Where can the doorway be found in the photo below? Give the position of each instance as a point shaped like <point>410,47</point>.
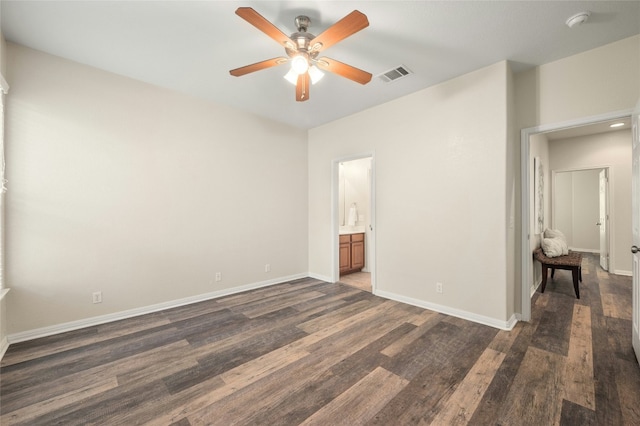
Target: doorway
<point>580,209</point>
<point>354,241</point>
<point>528,236</point>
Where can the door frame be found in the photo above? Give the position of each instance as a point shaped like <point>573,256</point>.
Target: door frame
<point>525,182</point>
<point>335,217</point>
<point>608,215</point>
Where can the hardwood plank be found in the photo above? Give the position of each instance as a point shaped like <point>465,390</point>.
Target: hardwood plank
<point>435,363</point>
<point>46,369</point>
<point>337,379</point>
<point>25,396</point>
<point>276,304</point>
<point>504,339</point>
<point>554,329</point>
<point>361,402</point>
<point>617,306</point>
<point>422,317</point>
<point>249,372</point>
<point>106,407</point>
<point>608,406</point>
<point>328,350</point>
<point>265,391</point>
<point>328,300</point>
<point>39,348</point>
<point>255,296</point>
<point>579,384</point>
<point>444,342</point>
<point>575,414</point>
<point>536,394</point>
<point>214,341</point>
<point>41,409</point>
<point>459,408</point>
<point>627,379</point>
<point>398,346</point>
<point>618,338</point>
<point>334,316</point>
<point>500,387</point>
<point>215,364</point>
<point>237,327</point>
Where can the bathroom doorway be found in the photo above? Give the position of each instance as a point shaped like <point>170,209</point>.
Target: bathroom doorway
<point>354,233</point>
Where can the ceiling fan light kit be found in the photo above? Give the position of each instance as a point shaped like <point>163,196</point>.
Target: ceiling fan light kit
<point>302,49</point>
<point>300,63</point>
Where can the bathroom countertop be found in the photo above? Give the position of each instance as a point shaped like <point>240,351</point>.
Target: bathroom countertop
<point>346,230</point>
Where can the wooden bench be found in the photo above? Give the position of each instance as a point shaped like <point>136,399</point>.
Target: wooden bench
<point>571,262</point>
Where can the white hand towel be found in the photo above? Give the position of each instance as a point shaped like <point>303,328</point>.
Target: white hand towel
<point>353,215</point>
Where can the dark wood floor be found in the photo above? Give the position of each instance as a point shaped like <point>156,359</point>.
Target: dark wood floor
<point>318,353</point>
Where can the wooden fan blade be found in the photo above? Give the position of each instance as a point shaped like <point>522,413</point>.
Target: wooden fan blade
<point>261,23</point>
<point>257,66</point>
<point>344,70</point>
<point>350,24</point>
<point>302,88</point>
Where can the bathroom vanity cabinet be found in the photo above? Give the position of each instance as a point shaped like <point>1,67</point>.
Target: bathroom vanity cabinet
<point>351,253</point>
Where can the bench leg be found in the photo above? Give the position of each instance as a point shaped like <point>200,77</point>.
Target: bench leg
<point>575,272</point>
<point>544,277</point>
<point>553,271</point>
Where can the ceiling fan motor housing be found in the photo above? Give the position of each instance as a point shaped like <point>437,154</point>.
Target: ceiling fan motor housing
<point>302,39</point>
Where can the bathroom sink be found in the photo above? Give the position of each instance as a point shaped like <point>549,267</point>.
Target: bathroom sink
<point>344,230</point>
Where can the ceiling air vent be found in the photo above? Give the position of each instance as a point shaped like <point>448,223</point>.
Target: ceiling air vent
<point>395,74</point>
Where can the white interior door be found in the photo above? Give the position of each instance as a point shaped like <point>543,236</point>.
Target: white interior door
<point>603,222</point>
<point>635,225</point>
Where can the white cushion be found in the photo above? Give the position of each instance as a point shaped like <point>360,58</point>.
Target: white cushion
<point>554,233</point>
<point>554,247</point>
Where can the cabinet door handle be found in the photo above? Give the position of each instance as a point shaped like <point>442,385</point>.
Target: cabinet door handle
<point>634,249</point>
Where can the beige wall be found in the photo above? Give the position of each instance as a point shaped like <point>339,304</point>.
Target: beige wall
<point>598,81</point>
<point>141,193</point>
<point>595,151</point>
<point>441,178</point>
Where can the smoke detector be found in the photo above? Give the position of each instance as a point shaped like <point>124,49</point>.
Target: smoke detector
<point>578,19</point>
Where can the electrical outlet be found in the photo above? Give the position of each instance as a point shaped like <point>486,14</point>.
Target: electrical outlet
<point>267,267</point>
<point>439,288</point>
<point>218,276</point>
<point>97,297</point>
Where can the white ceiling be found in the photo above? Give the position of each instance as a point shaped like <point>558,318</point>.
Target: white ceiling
<point>190,46</point>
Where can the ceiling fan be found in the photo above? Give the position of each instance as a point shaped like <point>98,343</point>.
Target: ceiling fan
<point>302,49</point>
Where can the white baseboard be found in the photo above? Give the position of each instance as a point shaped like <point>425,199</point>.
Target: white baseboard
<point>470,316</point>
<point>622,272</point>
<point>4,345</point>
<point>116,316</point>
<point>321,277</point>
<point>584,250</point>
<point>535,287</point>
